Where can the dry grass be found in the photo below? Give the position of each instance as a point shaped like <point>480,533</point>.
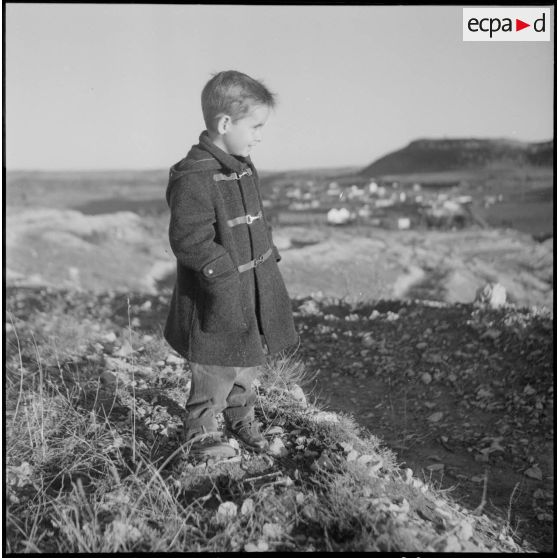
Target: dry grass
<point>95,468</point>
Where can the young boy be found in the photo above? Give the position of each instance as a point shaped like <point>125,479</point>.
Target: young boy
<point>229,306</point>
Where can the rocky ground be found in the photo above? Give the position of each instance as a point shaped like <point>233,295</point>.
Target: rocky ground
<point>464,395</point>
<point>471,426</point>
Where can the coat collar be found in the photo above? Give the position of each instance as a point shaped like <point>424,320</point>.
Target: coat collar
<point>231,162</point>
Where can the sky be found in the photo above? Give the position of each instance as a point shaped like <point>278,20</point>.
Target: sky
<point>98,86</point>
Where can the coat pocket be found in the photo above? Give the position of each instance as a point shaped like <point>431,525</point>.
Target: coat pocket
<point>221,306</point>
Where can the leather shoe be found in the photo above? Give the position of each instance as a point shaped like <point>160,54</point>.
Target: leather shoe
<point>249,434</point>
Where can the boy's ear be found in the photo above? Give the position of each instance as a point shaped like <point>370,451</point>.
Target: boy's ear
<point>223,123</point>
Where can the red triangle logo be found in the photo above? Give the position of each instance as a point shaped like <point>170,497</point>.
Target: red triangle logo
<point>519,25</point>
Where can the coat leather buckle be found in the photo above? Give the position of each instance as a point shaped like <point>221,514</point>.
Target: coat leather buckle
<point>251,218</point>
<point>259,260</point>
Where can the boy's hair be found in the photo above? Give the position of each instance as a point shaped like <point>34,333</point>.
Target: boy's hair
<point>232,93</point>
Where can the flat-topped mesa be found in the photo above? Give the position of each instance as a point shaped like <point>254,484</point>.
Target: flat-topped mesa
<point>438,155</point>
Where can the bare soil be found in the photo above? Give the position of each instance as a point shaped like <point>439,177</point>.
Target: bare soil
<point>463,395</point>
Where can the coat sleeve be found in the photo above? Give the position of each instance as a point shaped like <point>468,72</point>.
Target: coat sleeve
<point>191,231</point>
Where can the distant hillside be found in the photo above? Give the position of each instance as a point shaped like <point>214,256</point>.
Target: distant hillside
<point>442,155</point>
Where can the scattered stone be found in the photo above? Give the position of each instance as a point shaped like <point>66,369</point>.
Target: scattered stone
<point>529,390</point>
<point>465,530</point>
<point>146,306</point>
<point>233,442</point>
<point>247,507</point>
<point>365,459</point>
<point>309,308</point>
<point>298,395</point>
<point>125,350</point>
<point>491,334</point>
<point>171,359</point>
<point>452,544</point>
<point>534,473</point>
<point>272,530</point>
<point>261,546</point>
<point>109,337</point>
<point>108,379</point>
<point>435,417</point>
<point>426,378</point>
<point>226,512</point>
<point>275,431</point>
<point>277,448</point>
<point>492,294</point>
<point>323,462</point>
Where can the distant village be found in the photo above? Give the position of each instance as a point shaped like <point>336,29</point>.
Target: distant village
<point>374,202</point>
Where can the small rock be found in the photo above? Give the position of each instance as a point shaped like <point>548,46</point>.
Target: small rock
<point>347,446</point>
<point>171,359</point>
<point>272,530</point>
<point>365,459</point>
<point>353,454</point>
<point>109,337</point>
<point>309,308</point>
<point>309,512</point>
<point>452,544</point>
<point>275,431</point>
<point>426,378</point>
<point>534,473</point>
<point>436,467</point>
<point>435,417</point>
<point>262,546</point>
<point>323,462</point>
<point>367,341</point>
<point>298,395</point>
<point>278,448</point>
<point>247,507</point>
<point>491,334</point>
<point>226,511</point>
<point>465,530</point>
<point>528,390</point>
<point>125,350</point>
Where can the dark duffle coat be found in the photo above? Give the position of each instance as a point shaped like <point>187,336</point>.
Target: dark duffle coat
<point>218,313</point>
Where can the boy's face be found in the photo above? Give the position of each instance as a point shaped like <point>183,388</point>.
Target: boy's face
<point>240,136</point>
